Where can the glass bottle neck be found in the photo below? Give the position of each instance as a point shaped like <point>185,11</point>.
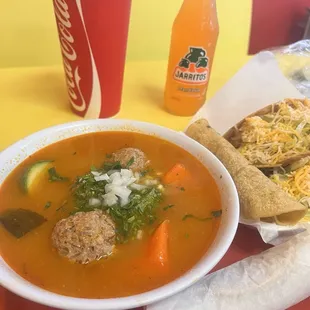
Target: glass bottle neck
<point>200,5</point>
<point>197,12</point>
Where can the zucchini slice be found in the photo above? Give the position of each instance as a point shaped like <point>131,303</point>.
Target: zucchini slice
<point>33,173</point>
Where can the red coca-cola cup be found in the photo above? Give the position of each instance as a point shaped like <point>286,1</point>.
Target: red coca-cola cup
<point>93,39</point>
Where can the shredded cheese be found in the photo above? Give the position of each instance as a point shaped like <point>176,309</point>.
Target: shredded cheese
<point>295,183</point>
<point>274,137</point>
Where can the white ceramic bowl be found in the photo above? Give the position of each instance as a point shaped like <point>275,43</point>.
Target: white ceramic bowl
<point>16,153</point>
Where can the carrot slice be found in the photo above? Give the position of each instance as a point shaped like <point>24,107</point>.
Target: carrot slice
<point>158,250</point>
<point>176,173</point>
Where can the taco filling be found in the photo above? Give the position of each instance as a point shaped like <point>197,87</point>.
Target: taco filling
<point>275,134</point>
<point>295,180</point>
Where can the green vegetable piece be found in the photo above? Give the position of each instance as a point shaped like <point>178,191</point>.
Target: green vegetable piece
<point>47,205</point>
<point>144,172</point>
<point>130,162</point>
<point>107,166</point>
<point>32,173</point>
<point>55,177</point>
<point>216,213</point>
<point>62,205</point>
<point>93,168</point>
<point>19,222</point>
<point>131,219</point>
<point>167,207</point>
<point>202,219</point>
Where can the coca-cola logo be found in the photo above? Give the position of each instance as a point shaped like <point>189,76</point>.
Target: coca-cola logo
<point>69,54</point>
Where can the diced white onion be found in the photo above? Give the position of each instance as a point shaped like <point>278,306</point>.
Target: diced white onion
<point>94,202</point>
<point>108,188</point>
<point>126,173</point>
<point>120,191</point>
<point>123,193</point>
<point>116,179</point>
<point>124,201</point>
<point>102,177</point>
<point>137,187</point>
<point>111,172</point>
<point>129,181</point>
<point>119,186</point>
<point>110,199</point>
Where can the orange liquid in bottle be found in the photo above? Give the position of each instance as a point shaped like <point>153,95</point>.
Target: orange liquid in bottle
<point>194,36</point>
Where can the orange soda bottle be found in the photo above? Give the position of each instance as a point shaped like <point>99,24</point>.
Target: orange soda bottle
<point>194,36</point>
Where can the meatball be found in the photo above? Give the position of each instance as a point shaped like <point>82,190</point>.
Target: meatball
<point>124,155</point>
<point>84,236</point>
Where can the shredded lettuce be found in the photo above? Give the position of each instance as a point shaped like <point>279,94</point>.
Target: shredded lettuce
<point>274,137</point>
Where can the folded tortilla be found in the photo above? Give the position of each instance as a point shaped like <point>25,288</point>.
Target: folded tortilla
<point>259,197</point>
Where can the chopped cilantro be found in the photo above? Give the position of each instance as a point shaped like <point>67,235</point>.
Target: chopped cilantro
<point>93,168</point>
<point>130,218</point>
<point>216,213</point>
<point>107,166</point>
<point>47,205</point>
<point>62,205</point>
<point>188,216</point>
<point>130,162</point>
<point>167,207</point>
<point>144,172</point>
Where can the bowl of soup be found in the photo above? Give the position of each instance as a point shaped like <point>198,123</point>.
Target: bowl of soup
<point>111,214</point>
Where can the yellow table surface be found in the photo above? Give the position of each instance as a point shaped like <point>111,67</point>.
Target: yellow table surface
<point>35,98</point>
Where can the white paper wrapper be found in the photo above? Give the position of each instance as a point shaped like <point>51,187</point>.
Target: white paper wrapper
<point>273,280</point>
<point>258,84</point>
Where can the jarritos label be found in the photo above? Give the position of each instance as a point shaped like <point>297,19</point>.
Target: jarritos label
<point>193,68</point>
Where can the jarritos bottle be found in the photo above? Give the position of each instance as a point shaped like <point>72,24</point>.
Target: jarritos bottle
<point>194,36</point>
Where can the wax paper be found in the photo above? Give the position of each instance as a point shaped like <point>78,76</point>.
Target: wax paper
<point>265,79</point>
<point>272,280</point>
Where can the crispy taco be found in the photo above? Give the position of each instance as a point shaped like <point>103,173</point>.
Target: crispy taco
<point>275,135</point>
<point>260,197</point>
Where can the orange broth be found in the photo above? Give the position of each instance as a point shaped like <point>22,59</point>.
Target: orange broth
<point>126,272</point>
